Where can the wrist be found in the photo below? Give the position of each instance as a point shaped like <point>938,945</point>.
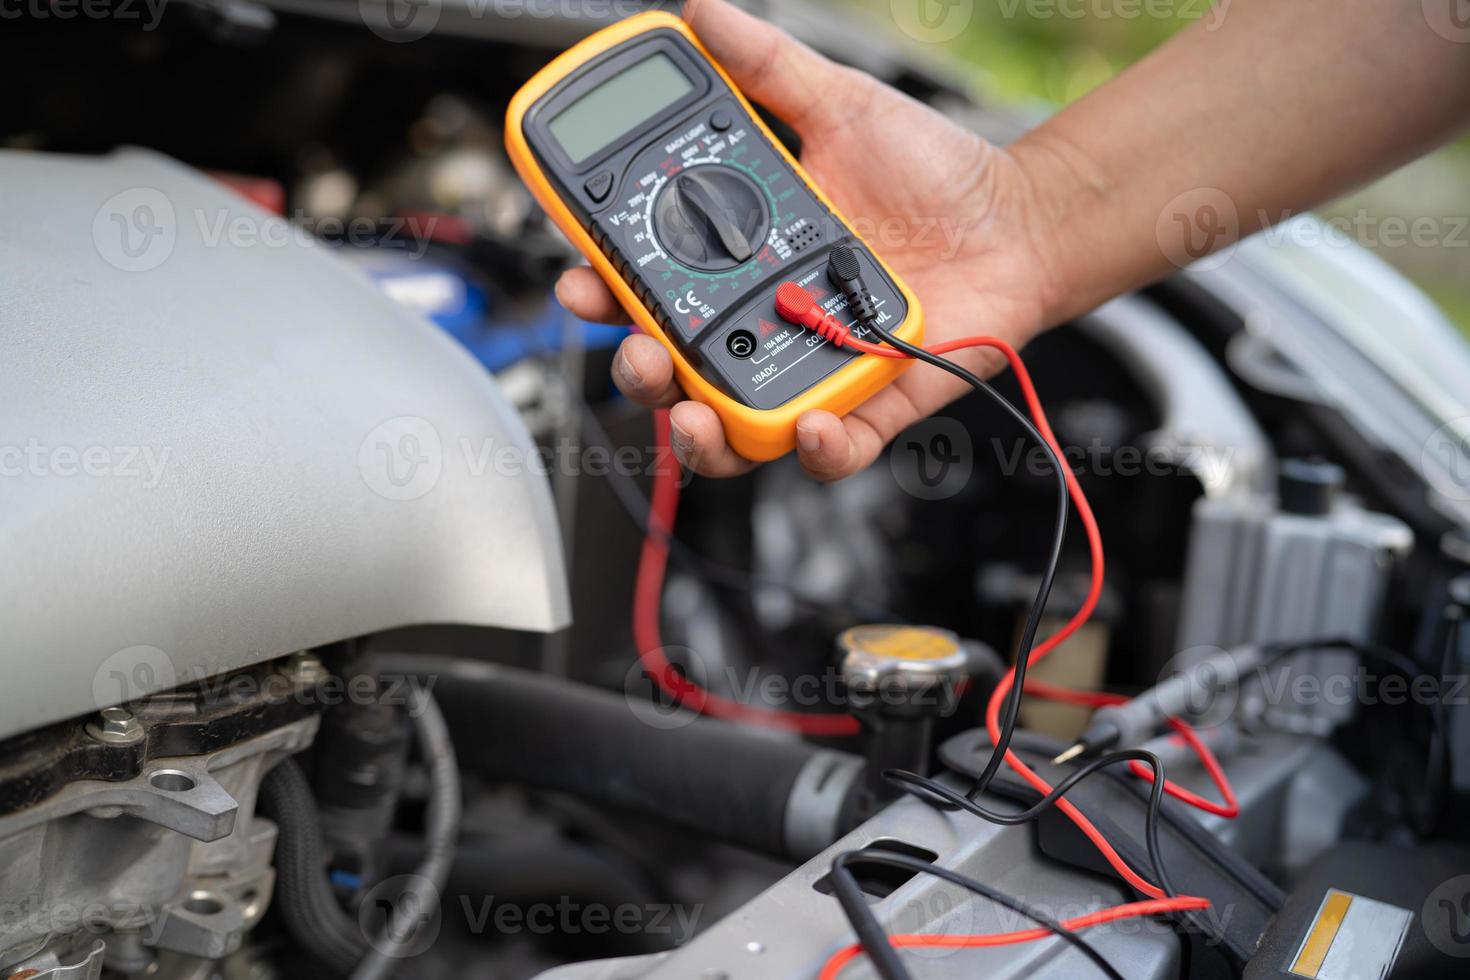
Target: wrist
<point>1065,194</point>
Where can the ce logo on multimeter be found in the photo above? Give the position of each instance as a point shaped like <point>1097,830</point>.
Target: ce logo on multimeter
<point>651,162</point>
<point>688,303</point>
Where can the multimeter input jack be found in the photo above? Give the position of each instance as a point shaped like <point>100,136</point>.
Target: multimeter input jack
<point>740,343</point>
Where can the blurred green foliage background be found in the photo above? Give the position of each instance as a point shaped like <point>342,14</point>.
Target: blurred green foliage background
<point>1055,51</point>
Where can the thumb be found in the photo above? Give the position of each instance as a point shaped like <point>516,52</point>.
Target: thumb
<point>802,88</point>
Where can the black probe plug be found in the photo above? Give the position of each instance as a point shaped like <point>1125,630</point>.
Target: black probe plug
<point>845,272</point>
<point>1101,734</point>
<point>1189,691</point>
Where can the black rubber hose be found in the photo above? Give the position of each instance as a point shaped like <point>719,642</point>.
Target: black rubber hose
<point>720,779</point>
<point>530,868</point>
<point>309,910</point>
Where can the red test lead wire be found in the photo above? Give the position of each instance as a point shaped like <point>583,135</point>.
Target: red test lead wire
<point>797,306</point>
<point>1131,910</point>
<point>1230,809</point>
<point>648,635</point>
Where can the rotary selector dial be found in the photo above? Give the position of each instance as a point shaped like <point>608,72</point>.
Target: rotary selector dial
<point>711,218</point>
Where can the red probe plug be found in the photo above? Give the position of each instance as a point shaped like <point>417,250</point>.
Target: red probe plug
<point>796,305</point>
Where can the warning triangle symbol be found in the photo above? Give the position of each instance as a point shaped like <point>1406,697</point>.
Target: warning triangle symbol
<point>695,322</point>
<point>767,327</point>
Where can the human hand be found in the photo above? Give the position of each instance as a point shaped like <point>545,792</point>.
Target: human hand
<point>953,215</point>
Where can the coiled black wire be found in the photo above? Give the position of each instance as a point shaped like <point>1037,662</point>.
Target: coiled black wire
<point>870,932</point>
<point>842,266</point>
<point>935,792</point>
<point>1054,556</point>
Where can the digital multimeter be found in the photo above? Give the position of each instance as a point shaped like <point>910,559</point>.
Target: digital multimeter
<point>655,166</point>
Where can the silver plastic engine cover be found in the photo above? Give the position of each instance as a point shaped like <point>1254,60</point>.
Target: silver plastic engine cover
<point>220,443</point>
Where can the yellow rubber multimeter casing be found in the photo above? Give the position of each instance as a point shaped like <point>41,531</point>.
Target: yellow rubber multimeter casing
<point>655,166</point>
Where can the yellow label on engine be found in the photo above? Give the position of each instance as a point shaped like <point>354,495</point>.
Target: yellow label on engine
<point>1351,938</point>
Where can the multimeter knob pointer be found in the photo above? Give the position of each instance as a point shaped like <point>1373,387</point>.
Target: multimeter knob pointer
<point>710,217</point>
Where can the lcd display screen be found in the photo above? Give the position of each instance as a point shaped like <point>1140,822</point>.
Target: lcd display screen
<point>618,106</point>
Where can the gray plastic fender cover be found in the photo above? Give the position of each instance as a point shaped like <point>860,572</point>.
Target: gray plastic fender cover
<point>220,443</point>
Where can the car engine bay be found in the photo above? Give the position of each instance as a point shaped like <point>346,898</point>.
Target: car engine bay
<point>343,590</point>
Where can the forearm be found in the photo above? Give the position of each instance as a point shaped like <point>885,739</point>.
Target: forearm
<point>1262,109</point>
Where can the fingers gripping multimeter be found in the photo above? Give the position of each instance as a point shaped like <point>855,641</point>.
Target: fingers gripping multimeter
<point>654,165</point>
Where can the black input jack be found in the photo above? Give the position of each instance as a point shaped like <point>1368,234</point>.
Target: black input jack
<point>740,343</point>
